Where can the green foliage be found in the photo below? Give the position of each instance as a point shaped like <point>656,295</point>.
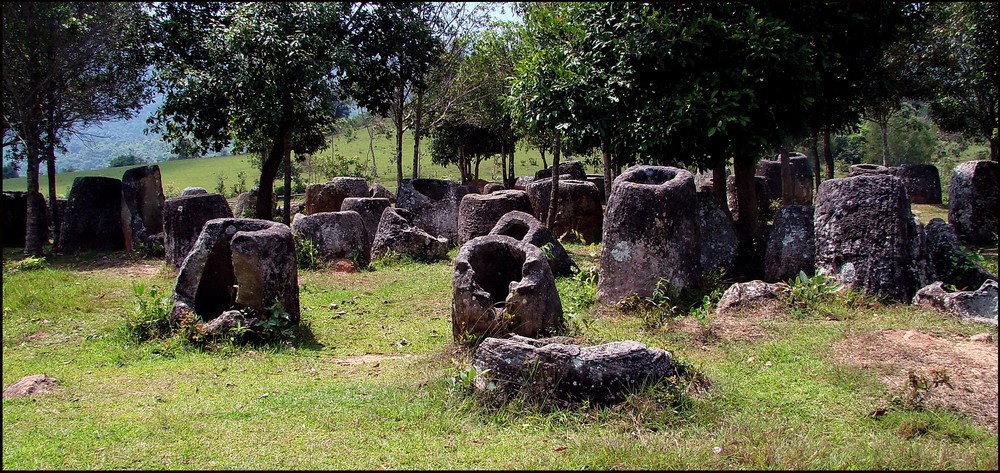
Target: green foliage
<point>28,263</point>
<point>10,170</point>
<point>149,319</point>
<point>127,159</point>
<point>306,253</point>
<point>275,325</point>
<point>849,149</point>
<point>912,138</point>
<point>335,164</point>
<point>805,293</point>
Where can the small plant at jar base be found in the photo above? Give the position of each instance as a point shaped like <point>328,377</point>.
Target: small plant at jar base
<point>276,325</point>
<point>150,318</point>
<point>914,393</point>
<point>306,253</point>
<point>804,293</point>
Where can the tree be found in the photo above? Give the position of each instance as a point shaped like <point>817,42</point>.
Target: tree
<point>258,75</point>
<point>10,170</point>
<point>961,66</point>
<point>126,159</point>
<point>67,66</point>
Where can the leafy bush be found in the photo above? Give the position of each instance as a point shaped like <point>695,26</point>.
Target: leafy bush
<point>912,138</point>
<point>805,293</point>
<point>150,318</point>
<point>29,263</point>
<point>306,252</point>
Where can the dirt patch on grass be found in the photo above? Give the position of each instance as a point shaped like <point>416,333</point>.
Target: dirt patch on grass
<point>365,359</point>
<point>971,367</point>
<point>121,265</point>
<point>742,324</point>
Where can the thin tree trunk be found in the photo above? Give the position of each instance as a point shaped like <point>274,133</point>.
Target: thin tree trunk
<point>510,162</point>
<point>815,151</point>
<point>787,191</point>
<point>397,120</point>
<point>746,198</point>
<point>994,144</point>
<point>268,172</point>
<point>550,218</point>
<point>371,149</point>
<point>541,151</point>
<point>478,161</point>
<point>828,153</point>
<point>606,163</point>
<point>34,211</point>
<point>883,126</point>
<point>286,211</point>
<point>719,183</point>
<point>416,133</point>
<point>50,163</point>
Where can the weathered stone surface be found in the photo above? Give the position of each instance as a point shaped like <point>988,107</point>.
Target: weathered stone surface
<point>238,263</point>
<point>522,182</point>
<point>337,235</point>
<point>718,235</point>
<point>791,245</point>
<point>15,218</point>
<point>370,209</point>
<point>972,201</point>
<point>522,226</point>
<point>802,178</point>
<point>142,190</point>
<point>866,236</point>
<point>396,233</point>
<point>433,204</point>
<point>770,170</point>
<point>224,324</point>
<point>598,180</point>
<point>379,191</point>
<point>760,188</point>
<point>476,185</point>
<point>575,170</point>
<point>183,219</point>
<point>651,233</point>
<point>500,286</point>
<point>193,191</point>
<point>492,187</point>
<point>96,216</point>
<point>979,305</point>
<point>922,182</point>
<point>948,259</point>
<point>750,294</point>
<point>580,207</point>
<point>478,213</point>
<point>30,385</point>
<point>246,204</point>
<point>869,170</point>
<point>567,374</point>
<point>328,196</point>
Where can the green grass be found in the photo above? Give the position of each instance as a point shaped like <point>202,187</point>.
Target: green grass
<point>369,386</point>
<point>205,172</point>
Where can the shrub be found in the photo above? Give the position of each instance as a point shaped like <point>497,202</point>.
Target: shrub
<point>150,318</point>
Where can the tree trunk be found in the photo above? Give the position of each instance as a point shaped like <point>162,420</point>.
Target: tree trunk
<point>815,152</point>
<point>371,150</point>
<point>883,126</point>
<point>550,219</point>
<point>746,198</point>
<point>719,183</point>
<point>478,161</point>
<point>416,133</point>
<point>32,234</point>
<point>397,120</point>
<point>286,210</point>
<point>606,163</point>
<point>50,163</point>
<point>828,153</point>
<point>787,190</point>
<point>994,143</point>
<point>541,151</point>
<point>510,162</point>
<point>268,172</point>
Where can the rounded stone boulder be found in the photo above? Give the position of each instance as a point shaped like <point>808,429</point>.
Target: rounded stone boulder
<point>142,190</point>
<point>328,196</point>
<point>580,208</point>
<point>502,286</point>
<point>433,204</point>
<point>337,236</point>
<point>575,170</point>
<point>522,226</point>
<point>397,234</point>
<point>865,235</point>
<point>379,191</point>
<point>922,182</point>
<point>370,209</point>
<point>478,213</point>
<point>972,201</point>
<point>651,233</point>
<point>791,245</point>
<point>183,219</point>
<point>96,216</point>
<point>492,187</point>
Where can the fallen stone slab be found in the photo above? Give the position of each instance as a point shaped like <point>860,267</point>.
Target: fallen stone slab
<point>977,306</point>
<point>570,374</point>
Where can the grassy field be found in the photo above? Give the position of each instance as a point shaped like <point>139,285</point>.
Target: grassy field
<point>206,172</point>
<point>369,383</point>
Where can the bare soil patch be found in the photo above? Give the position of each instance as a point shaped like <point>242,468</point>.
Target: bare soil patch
<point>971,367</point>
<point>741,324</point>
